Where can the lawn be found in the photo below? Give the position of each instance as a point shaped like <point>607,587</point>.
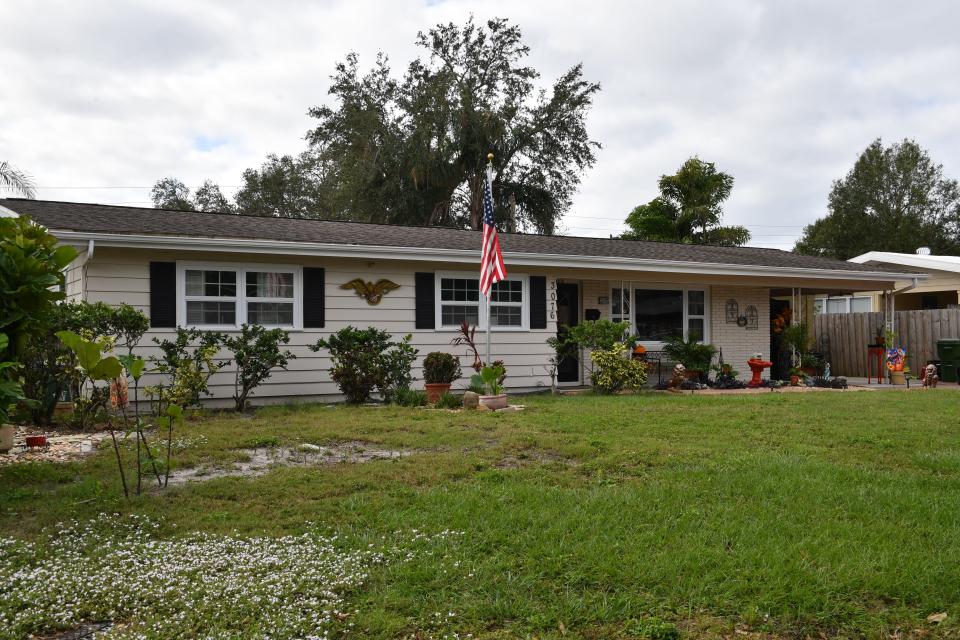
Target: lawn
<point>821,514</point>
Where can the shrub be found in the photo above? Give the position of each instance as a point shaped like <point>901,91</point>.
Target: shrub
<point>256,352</point>
<point>795,337</point>
<point>440,368</point>
<point>123,324</point>
<point>692,354</point>
<point>31,276</point>
<point>10,389</point>
<point>593,335</point>
<point>613,371</point>
<point>50,369</point>
<point>189,366</point>
<point>410,398</point>
<point>365,360</point>
<point>31,279</point>
<point>449,401</point>
<point>598,334</point>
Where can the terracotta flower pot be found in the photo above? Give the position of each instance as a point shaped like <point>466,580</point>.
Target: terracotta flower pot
<point>494,402</point>
<point>7,432</point>
<point>435,390</point>
<point>794,381</point>
<point>36,441</point>
<point>898,377</point>
<point>63,409</point>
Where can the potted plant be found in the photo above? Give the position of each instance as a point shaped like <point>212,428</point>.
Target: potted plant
<point>440,369</point>
<point>796,374</point>
<point>490,379</point>
<point>795,338</point>
<point>695,356</point>
<point>811,364</point>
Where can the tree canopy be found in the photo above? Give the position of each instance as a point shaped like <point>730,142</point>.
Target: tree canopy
<point>893,199</point>
<point>689,209</point>
<point>413,149</point>
<point>171,193</point>
<point>284,187</point>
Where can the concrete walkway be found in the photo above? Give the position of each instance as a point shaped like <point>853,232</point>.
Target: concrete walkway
<point>914,385</point>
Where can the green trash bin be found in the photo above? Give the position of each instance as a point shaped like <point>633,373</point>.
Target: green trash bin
<point>949,353</point>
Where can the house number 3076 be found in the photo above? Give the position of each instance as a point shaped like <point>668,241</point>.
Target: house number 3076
<point>553,299</point>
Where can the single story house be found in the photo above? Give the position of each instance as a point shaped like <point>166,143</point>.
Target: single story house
<point>218,271</point>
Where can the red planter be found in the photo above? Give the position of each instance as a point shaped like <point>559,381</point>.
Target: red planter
<point>435,390</point>
<point>36,441</point>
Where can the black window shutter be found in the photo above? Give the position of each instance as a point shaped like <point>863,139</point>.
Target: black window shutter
<point>314,298</point>
<point>425,312</point>
<point>163,294</point>
<point>538,302</point>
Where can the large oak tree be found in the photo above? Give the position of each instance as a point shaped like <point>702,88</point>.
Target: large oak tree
<point>893,199</point>
<point>413,150</point>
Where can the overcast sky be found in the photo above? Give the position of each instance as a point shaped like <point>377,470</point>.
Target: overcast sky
<point>100,99</point>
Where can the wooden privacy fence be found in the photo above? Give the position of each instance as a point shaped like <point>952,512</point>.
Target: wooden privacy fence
<point>846,336</point>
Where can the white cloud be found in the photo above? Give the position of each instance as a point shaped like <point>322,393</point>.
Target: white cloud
<point>782,95</point>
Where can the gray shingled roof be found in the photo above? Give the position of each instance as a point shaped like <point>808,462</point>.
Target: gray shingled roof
<point>97,218</point>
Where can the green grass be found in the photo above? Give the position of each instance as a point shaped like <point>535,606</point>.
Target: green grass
<point>792,514</point>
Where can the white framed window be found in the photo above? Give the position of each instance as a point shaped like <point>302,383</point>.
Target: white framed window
<point>225,296</point>
<point>656,312</point>
<point>458,299</point>
<point>843,304</point>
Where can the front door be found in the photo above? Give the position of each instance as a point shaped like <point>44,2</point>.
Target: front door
<point>568,315</point>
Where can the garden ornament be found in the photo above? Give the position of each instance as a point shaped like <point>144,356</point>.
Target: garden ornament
<point>757,365</point>
<point>372,292</point>
<point>678,377</point>
<point>930,377</point>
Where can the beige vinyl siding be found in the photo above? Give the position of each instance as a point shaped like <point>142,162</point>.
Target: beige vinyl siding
<point>73,279</point>
<point>116,276</point>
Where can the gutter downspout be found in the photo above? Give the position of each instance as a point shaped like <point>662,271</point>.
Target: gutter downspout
<point>83,268</point>
<point>892,324</point>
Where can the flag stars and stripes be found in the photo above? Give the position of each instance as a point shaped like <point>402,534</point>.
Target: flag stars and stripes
<point>492,267</point>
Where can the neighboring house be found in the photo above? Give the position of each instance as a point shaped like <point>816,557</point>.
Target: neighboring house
<point>860,302</point>
<point>940,290</point>
<point>218,271</point>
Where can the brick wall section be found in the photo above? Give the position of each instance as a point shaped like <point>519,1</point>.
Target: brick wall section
<point>738,343</point>
<point>592,291</point>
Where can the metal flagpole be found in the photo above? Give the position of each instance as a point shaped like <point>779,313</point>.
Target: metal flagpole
<point>488,331</point>
<point>489,293</point>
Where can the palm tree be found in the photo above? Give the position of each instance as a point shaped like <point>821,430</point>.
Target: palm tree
<point>16,181</point>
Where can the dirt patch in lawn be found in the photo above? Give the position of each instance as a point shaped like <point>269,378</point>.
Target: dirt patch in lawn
<point>262,460</point>
<point>534,457</point>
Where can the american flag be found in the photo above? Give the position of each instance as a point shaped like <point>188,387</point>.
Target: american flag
<point>492,268</point>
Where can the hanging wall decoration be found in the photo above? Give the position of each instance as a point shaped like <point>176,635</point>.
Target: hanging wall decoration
<point>733,311</point>
<point>753,319</point>
<point>372,292</point>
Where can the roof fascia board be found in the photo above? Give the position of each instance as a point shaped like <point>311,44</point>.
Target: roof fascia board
<point>907,260</point>
<point>278,247</point>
